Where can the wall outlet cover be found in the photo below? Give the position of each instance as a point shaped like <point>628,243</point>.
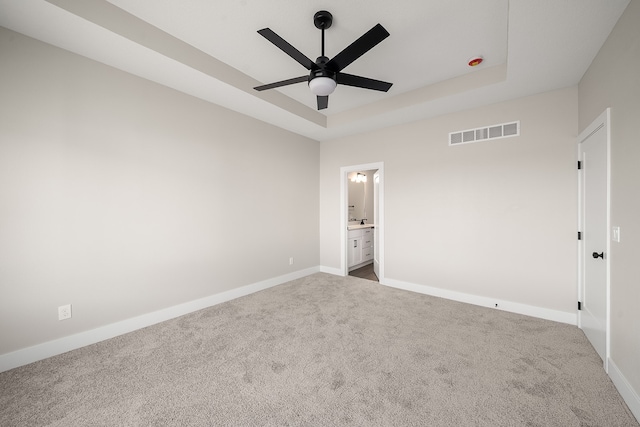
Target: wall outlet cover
<point>64,312</point>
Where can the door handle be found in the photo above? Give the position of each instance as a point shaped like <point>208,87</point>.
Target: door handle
<point>597,255</point>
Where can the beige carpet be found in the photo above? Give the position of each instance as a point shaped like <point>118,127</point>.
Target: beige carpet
<point>325,351</point>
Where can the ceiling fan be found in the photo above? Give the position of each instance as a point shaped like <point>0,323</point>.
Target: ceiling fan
<point>325,74</point>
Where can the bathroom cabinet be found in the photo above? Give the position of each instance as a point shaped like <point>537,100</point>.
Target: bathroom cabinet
<point>360,247</point>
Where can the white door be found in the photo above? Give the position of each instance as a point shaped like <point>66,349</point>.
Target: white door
<point>593,150</point>
<point>376,219</point>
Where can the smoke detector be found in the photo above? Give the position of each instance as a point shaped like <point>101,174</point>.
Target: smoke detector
<point>475,60</point>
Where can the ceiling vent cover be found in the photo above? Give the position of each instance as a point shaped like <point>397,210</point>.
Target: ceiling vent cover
<point>505,130</point>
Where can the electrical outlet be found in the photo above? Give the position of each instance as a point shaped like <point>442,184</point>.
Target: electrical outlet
<point>291,261</point>
<point>64,312</point>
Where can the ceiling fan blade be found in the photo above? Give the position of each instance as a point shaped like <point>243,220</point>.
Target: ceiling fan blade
<point>283,45</point>
<point>323,102</point>
<point>282,83</point>
<point>358,48</point>
<point>363,82</point>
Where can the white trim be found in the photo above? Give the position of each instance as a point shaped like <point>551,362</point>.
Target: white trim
<point>513,307</point>
<point>344,206</point>
<point>51,348</point>
<point>580,242</point>
<point>627,392</point>
<point>331,270</point>
<point>607,114</point>
<point>603,120</point>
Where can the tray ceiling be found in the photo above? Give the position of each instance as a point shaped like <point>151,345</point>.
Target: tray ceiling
<point>212,50</point>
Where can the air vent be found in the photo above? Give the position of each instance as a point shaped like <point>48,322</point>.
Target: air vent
<point>505,130</point>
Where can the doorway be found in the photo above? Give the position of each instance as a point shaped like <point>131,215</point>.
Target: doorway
<point>594,243</point>
<point>375,211</point>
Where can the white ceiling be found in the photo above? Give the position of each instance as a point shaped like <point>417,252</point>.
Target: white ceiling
<point>211,50</point>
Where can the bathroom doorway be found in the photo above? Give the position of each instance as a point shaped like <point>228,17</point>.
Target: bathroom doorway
<point>362,221</point>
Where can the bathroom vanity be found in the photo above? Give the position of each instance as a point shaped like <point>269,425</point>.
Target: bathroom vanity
<point>359,245</point>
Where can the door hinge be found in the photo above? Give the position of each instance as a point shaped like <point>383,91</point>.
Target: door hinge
<point>579,235</point>
<point>579,305</point>
<point>579,164</point>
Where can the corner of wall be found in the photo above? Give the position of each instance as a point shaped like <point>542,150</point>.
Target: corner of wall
<point>62,345</point>
<point>625,389</point>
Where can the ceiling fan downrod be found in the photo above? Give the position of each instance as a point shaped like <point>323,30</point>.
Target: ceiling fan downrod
<point>322,20</point>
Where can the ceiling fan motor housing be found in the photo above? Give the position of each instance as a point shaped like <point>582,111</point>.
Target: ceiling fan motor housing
<point>322,70</point>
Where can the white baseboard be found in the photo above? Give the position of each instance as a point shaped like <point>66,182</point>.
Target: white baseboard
<point>51,348</point>
<point>331,270</point>
<point>513,307</point>
<point>627,392</point>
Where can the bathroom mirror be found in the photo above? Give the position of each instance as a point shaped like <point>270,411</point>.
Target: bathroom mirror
<point>360,196</point>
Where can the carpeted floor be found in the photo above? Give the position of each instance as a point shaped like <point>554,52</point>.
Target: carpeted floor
<point>325,351</point>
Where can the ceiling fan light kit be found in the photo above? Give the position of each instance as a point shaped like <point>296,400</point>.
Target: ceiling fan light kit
<point>322,86</point>
<point>325,74</point>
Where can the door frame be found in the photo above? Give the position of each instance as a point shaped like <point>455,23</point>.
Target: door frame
<point>344,211</point>
<point>376,232</point>
<point>603,120</point>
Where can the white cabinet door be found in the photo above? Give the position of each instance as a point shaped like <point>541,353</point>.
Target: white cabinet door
<point>355,250</point>
<point>360,246</point>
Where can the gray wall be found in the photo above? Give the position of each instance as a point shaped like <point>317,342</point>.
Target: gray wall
<point>495,219</point>
<point>122,197</point>
<point>613,80</point>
